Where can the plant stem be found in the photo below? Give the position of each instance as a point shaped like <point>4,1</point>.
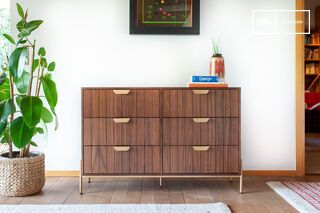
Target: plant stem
<point>25,151</point>
<point>39,82</point>
<point>31,69</point>
<point>38,78</point>
<point>11,118</point>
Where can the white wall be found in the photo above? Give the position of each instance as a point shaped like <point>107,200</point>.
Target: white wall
<point>91,44</point>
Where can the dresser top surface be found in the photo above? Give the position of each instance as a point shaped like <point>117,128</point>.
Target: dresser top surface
<point>162,88</point>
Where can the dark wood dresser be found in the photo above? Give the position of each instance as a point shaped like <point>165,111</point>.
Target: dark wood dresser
<point>161,133</point>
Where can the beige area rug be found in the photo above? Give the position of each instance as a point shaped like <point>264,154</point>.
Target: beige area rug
<point>118,208</point>
<point>303,196</point>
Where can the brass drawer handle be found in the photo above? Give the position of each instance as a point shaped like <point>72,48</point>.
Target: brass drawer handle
<point>121,120</point>
<point>201,148</point>
<point>201,120</point>
<point>121,148</point>
<point>200,92</point>
<point>121,92</point>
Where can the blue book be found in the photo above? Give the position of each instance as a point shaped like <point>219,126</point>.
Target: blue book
<point>204,79</point>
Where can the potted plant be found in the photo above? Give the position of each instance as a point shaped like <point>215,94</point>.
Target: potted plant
<point>217,61</point>
<point>28,97</point>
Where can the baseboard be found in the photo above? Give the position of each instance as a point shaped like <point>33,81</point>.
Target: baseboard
<point>277,173</point>
<point>274,173</point>
<point>64,173</point>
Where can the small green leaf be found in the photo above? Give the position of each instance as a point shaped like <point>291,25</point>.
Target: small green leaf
<point>17,61</point>
<point>22,83</point>
<point>21,134</point>
<point>9,38</point>
<point>32,25</point>
<point>22,41</point>
<point>46,115</point>
<point>20,11</point>
<point>33,144</point>
<point>24,33</point>
<point>3,78</point>
<point>50,91</point>
<point>35,64</point>
<point>52,66</point>
<point>44,62</point>
<point>42,52</point>
<point>40,130</point>
<point>3,140</point>
<point>31,108</point>
<point>20,25</point>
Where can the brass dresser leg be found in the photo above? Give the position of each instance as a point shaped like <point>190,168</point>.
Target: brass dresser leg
<point>80,178</point>
<point>241,179</point>
<point>160,181</point>
<point>89,180</point>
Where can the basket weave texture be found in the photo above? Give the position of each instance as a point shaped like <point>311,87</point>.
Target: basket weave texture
<point>22,176</point>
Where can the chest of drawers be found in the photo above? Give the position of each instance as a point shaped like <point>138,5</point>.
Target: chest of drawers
<point>161,133</point>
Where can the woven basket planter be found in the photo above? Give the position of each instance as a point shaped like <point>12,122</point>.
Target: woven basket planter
<point>22,176</point>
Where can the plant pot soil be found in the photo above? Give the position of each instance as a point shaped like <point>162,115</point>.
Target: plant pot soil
<point>21,176</point>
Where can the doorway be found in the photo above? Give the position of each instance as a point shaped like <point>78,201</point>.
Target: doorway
<point>312,88</point>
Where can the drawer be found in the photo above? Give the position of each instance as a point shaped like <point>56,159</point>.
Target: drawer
<point>201,160</point>
<point>121,103</point>
<point>204,131</point>
<point>121,160</point>
<point>123,131</point>
<point>201,103</point>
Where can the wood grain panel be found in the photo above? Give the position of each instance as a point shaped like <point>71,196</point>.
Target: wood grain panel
<point>87,168</point>
<point>185,160</point>
<point>86,131</point>
<point>184,131</point>
<point>138,160</point>
<point>217,103</point>
<point>104,131</point>
<point>105,103</point>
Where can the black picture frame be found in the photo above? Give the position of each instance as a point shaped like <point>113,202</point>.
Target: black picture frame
<point>194,30</point>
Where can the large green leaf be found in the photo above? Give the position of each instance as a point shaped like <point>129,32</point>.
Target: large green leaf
<point>32,25</point>
<point>9,38</point>
<point>50,91</point>
<point>7,107</point>
<point>21,134</point>
<point>22,83</point>
<point>5,90</point>
<point>20,11</point>
<point>46,115</point>
<point>31,108</point>
<point>17,61</point>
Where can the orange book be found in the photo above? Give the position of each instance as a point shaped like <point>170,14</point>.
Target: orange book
<point>201,85</point>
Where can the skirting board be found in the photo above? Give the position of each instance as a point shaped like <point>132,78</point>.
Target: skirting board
<point>279,173</point>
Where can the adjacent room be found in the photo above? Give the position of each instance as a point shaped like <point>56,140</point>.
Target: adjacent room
<point>159,106</point>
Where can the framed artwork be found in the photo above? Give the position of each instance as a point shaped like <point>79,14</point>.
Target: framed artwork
<point>165,17</point>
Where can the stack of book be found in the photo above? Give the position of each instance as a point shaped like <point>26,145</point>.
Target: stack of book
<point>206,82</point>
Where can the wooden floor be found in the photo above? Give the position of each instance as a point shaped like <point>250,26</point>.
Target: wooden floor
<point>257,197</point>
